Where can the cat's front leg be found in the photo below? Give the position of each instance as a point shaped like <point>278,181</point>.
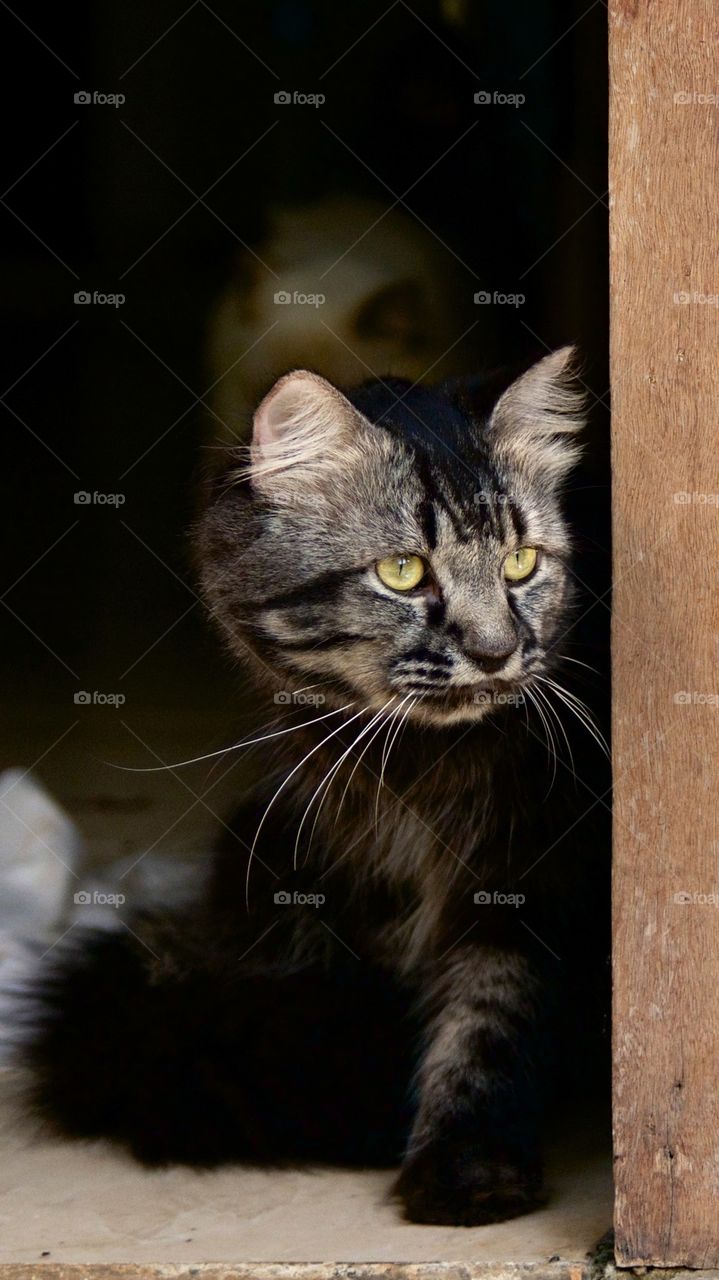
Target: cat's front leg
<point>473,1156</point>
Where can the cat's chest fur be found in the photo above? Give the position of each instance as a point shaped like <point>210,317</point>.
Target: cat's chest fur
<point>404,860</point>
<point>411,861</point>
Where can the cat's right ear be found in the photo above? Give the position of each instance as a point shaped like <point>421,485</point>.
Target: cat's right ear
<point>303,429</point>
<point>536,422</point>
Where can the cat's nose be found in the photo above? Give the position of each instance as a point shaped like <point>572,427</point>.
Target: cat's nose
<point>492,658</point>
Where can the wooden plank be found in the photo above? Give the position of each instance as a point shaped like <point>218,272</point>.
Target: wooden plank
<point>664,129</point>
<point>305,1271</point>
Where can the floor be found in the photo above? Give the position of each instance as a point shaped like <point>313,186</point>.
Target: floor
<point>72,1203</point>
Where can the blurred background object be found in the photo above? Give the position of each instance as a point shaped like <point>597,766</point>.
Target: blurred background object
<point>365,292</point>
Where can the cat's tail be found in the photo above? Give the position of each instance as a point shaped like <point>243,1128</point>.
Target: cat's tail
<point>187,1063</point>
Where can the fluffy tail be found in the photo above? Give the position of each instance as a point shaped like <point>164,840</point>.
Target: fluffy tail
<point>184,1063</point>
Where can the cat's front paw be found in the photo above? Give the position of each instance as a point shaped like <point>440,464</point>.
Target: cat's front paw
<point>459,1184</point>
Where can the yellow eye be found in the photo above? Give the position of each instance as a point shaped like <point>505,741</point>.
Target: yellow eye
<point>520,564</point>
<point>401,573</point>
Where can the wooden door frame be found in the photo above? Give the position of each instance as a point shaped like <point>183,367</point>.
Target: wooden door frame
<point>664,350</point>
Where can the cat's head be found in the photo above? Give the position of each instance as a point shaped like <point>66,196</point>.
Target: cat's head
<point>399,542</point>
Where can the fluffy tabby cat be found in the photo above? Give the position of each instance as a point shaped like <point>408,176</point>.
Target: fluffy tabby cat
<point>379,971</point>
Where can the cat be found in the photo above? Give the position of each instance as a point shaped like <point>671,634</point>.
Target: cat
<point>393,303</point>
<point>381,969</point>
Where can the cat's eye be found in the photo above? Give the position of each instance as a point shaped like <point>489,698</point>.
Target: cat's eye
<point>401,573</point>
<point>519,564</point>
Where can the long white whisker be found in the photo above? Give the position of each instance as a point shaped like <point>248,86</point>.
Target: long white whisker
<point>552,711</point>
<point>531,694</point>
<point>576,713</point>
<point>282,786</point>
<point>393,722</point>
<point>580,710</point>
<point>397,735</point>
<point>329,778</point>
<point>535,703</point>
<point>554,745</point>
<point>326,781</point>
<point>235,746</point>
<point>564,657</point>
<point>363,752</point>
<point>573,697</point>
<point>268,724</point>
<point>405,721</point>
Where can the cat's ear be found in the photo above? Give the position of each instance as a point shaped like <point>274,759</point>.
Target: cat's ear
<point>305,426</point>
<point>536,421</point>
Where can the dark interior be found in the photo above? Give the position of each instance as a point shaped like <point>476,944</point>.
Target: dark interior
<point>110,198</point>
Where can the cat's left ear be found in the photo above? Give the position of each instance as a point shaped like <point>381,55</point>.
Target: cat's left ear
<point>303,430</point>
<point>536,421</point>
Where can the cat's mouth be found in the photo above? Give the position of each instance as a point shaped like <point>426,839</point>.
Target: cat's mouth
<point>469,702</point>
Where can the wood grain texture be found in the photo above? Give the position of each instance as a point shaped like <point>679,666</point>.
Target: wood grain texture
<point>304,1271</point>
<point>664,130</point>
